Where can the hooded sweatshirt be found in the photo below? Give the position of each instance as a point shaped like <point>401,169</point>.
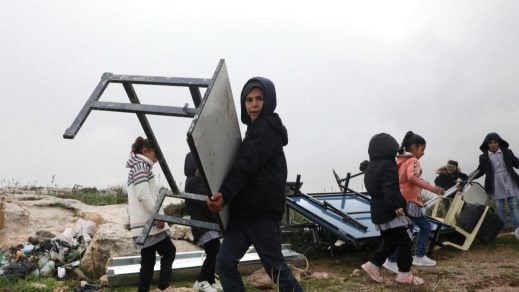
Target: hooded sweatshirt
<point>198,210</point>
<point>142,194</point>
<point>381,179</point>
<point>255,185</point>
<point>485,165</point>
<point>409,172</point>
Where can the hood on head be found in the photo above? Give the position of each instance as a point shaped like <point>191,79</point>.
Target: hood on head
<point>382,146</point>
<point>190,165</point>
<point>442,170</point>
<point>492,136</point>
<point>269,97</point>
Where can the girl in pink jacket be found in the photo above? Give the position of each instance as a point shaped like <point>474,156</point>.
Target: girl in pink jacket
<point>411,185</point>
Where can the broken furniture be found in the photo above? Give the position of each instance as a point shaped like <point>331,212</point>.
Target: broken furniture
<point>187,265</point>
<point>467,213</point>
<point>217,126</point>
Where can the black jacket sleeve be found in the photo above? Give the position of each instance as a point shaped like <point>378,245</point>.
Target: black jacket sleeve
<point>260,143</point>
<point>391,189</point>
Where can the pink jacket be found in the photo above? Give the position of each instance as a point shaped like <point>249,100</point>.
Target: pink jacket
<point>409,171</point>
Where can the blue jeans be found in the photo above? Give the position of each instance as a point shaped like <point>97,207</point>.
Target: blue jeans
<point>423,235</point>
<point>421,239</point>
<point>513,205</point>
<point>265,236</point>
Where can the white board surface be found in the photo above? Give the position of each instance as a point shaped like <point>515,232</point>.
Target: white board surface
<point>214,135</point>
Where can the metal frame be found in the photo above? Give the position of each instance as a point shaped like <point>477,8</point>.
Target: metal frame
<point>141,110</point>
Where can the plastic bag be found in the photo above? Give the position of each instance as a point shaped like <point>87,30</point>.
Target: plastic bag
<point>86,228</point>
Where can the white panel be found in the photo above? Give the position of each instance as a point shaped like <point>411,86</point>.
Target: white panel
<point>214,135</point>
<point>475,194</point>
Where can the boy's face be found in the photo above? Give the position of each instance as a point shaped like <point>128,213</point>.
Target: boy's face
<point>493,145</point>
<point>254,103</point>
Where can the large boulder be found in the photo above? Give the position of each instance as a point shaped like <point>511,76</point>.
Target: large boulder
<point>110,240</point>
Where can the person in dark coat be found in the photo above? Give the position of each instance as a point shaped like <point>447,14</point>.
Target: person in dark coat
<point>387,210</point>
<point>448,175</point>
<point>254,188</point>
<point>208,239</point>
<point>501,181</point>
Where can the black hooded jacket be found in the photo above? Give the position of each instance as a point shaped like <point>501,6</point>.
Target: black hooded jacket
<point>255,185</point>
<point>198,210</point>
<point>485,165</point>
<point>381,179</point>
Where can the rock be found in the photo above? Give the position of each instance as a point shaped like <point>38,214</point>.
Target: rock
<point>92,216</point>
<point>319,275</point>
<point>259,279</point>
<point>181,232</point>
<point>355,273</point>
<point>103,280</point>
<point>110,240</point>
<point>80,275</point>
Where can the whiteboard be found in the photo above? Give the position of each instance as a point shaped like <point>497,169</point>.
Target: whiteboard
<point>214,135</point>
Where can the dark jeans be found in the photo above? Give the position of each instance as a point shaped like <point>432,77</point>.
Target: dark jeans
<point>393,239</point>
<point>167,251</point>
<point>265,236</point>
<point>211,249</point>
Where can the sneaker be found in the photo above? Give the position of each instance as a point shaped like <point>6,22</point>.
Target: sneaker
<point>392,266</point>
<point>408,278</point>
<point>217,285</point>
<point>203,286</point>
<point>373,271</point>
<point>423,261</point>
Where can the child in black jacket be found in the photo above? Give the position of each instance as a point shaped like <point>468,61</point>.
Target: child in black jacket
<point>387,210</point>
<point>208,239</point>
<point>497,163</point>
<point>255,190</point>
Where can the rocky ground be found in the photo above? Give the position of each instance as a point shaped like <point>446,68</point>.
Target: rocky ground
<point>493,267</point>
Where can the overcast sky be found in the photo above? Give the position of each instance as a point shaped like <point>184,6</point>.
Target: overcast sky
<point>343,70</point>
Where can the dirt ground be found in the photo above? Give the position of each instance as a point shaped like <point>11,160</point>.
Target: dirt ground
<point>485,267</point>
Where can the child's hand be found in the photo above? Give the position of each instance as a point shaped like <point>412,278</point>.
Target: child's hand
<point>215,202</point>
<point>399,212</point>
<point>438,190</point>
<point>159,224</point>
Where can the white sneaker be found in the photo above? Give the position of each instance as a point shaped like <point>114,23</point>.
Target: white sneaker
<point>217,285</point>
<point>203,286</point>
<point>392,266</point>
<point>423,261</point>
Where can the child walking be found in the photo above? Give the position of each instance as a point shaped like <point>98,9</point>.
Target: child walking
<point>411,185</point>
<point>142,194</point>
<point>208,239</point>
<point>501,181</point>
<point>255,190</point>
<point>387,210</point>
